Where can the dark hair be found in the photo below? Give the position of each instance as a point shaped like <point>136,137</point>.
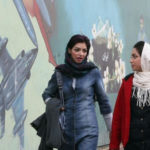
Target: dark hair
<point>139,47</point>
<point>78,38</point>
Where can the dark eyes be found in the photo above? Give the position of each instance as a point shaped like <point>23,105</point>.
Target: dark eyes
<point>84,50</point>
<point>134,56</point>
<point>78,49</point>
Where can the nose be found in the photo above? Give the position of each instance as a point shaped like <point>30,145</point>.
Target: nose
<point>81,53</point>
<point>131,60</point>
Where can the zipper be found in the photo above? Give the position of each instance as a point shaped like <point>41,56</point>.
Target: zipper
<point>74,101</point>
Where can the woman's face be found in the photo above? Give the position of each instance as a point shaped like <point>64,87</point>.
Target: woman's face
<point>78,52</point>
<point>135,60</point>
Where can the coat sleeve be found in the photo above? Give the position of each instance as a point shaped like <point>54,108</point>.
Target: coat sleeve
<point>100,94</point>
<point>115,138</point>
<point>39,124</point>
<point>51,89</point>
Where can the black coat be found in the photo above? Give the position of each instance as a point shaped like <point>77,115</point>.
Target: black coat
<point>48,127</point>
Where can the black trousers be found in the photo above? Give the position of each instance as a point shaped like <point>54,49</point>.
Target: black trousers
<point>86,143</point>
<point>141,145</point>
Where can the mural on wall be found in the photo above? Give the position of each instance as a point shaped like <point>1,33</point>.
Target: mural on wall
<point>44,12</point>
<point>107,50</point>
<point>18,71</point>
<point>42,28</point>
<point>15,73</point>
<point>26,20</point>
<point>142,34</point>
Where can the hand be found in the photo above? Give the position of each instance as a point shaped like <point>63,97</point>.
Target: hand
<point>109,135</point>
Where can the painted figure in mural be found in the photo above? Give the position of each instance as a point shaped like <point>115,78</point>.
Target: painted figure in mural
<point>15,74</point>
<point>131,121</point>
<point>82,81</point>
<point>142,34</point>
<point>44,12</point>
<point>107,50</point>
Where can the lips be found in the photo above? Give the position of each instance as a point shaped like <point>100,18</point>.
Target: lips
<point>79,59</point>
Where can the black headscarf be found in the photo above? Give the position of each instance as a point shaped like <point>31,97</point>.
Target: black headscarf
<point>73,69</point>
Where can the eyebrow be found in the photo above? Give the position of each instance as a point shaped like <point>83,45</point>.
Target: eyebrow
<point>80,48</point>
<point>135,55</point>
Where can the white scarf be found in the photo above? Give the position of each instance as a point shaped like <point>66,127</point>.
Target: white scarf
<point>141,80</point>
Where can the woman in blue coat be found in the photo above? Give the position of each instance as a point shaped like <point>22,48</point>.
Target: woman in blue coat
<point>82,82</point>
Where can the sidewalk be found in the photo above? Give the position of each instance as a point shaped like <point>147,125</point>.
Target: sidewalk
<point>105,148</point>
<point>100,148</point>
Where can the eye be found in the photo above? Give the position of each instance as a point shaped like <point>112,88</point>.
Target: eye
<point>84,50</point>
<point>134,56</point>
<point>77,49</point>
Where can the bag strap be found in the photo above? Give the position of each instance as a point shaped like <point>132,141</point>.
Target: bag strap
<point>60,86</point>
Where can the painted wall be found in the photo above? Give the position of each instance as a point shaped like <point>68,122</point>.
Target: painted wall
<point>33,36</point>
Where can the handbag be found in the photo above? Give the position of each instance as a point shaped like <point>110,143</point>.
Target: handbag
<point>50,125</point>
